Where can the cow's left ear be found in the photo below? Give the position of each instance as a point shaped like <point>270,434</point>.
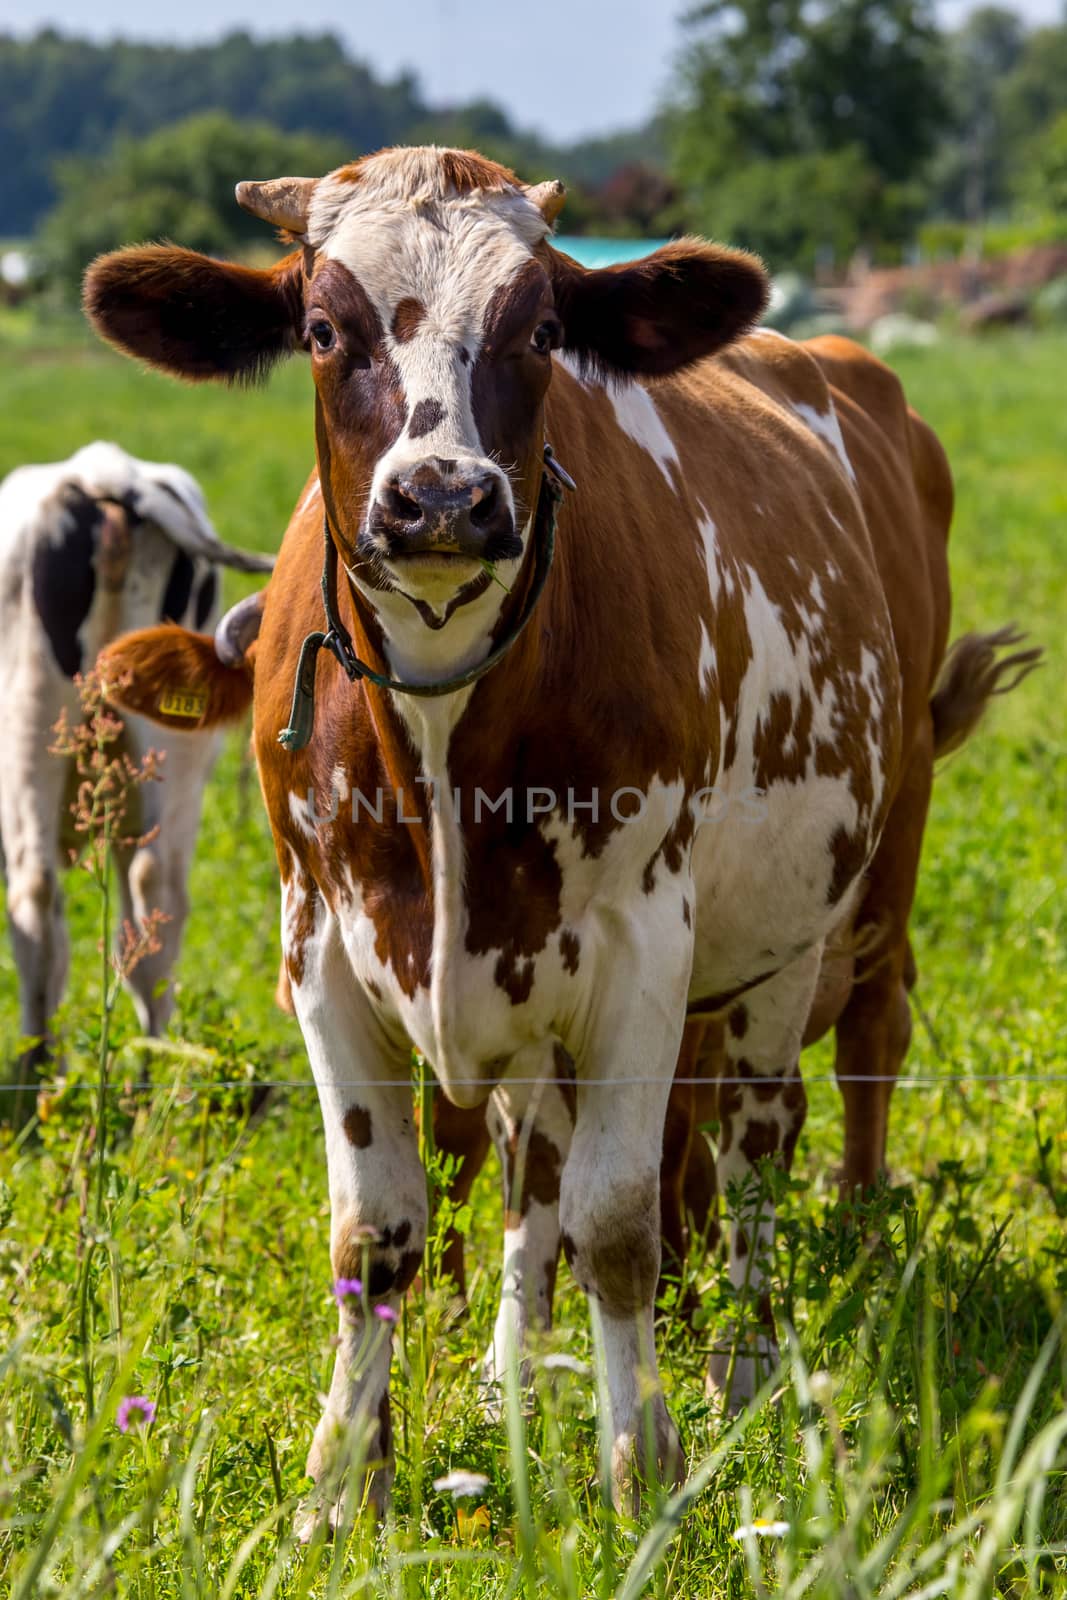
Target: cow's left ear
<point>194,316</point>
<point>656,315</point>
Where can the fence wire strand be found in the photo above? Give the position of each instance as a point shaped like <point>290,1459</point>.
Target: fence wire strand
<point>61,1087</point>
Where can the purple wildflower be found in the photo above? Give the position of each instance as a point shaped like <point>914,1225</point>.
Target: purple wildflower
<point>386,1313</point>
<point>345,1287</point>
<point>136,1410</point>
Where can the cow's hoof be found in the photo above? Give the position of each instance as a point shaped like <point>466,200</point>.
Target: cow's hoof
<point>352,1465</point>
<point>322,1512</point>
<point>734,1378</point>
<point>314,1517</point>
<point>633,1474</point>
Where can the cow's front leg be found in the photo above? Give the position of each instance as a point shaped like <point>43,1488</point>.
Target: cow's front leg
<point>531,1121</point>
<point>762,1106</point>
<point>153,875</point>
<point>610,1200</point>
<point>378,1209</point>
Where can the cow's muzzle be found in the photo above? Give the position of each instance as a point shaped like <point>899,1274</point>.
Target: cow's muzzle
<point>444,508</point>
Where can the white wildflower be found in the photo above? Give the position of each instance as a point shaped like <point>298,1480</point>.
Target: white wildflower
<point>564,1363</point>
<point>761,1528</point>
<point>460,1482</point>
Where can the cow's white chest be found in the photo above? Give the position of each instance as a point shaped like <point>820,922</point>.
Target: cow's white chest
<point>466,1021</point>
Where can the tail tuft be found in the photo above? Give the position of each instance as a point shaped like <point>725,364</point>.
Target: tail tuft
<point>971,674</point>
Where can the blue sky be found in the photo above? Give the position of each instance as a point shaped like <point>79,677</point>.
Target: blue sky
<point>564,67</point>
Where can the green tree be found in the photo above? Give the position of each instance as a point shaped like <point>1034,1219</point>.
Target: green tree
<point>1035,91</point>
<point>62,96</point>
<point>177,183</point>
<point>969,172</point>
<point>1042,183</point>
<point>846,94</point>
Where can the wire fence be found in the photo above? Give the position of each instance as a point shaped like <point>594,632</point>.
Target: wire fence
<point>216,1085</point>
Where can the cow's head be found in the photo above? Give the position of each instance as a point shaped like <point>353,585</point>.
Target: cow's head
<point>430,300</point>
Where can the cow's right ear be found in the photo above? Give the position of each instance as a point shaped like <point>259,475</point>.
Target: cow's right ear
<point>196,317</point>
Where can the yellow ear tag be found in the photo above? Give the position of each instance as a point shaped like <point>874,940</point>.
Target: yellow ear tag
<point>190,703</point>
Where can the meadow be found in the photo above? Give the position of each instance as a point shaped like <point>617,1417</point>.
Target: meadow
<point>176,1246</point>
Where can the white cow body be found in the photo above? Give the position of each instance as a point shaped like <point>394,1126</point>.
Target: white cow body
<point>92,548</point>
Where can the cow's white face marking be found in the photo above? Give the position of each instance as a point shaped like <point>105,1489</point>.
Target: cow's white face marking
<point>405,236</point>
<point>431,259</point>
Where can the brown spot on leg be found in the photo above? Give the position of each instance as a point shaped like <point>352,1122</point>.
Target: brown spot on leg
<point>550,1281</point>
<point>385,1429</point>
<point>568,1091</point>
<point>678,1129</point>
<point>357,1126</point>
<point>730,1100</point>
<point>795,1107</point>
<point>617,1258</point>
<point>760,1139</point>
<point>462,1134</point>
<point>386,1278</point>
<point>538,1179</point>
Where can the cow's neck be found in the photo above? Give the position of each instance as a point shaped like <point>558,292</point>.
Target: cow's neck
<point>414,734</point>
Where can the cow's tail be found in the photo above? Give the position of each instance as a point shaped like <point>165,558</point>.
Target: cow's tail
<point>973,671</point>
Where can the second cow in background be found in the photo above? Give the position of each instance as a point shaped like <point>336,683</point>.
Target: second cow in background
<point>91,548</point>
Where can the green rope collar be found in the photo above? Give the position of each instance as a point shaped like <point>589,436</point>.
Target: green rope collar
<point>338,641</point>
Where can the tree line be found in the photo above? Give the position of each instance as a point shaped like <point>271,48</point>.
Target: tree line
<point>805,129</point>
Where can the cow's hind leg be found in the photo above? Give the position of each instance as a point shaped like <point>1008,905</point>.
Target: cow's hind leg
<point>762,1106</point>
<point>461,1133</point>
<point>153,875</point>
<point>874,1029</point>
<point>531,1121</point>
<point>378,1208</point>
<point>33,786</point>
<point>688,1187</point>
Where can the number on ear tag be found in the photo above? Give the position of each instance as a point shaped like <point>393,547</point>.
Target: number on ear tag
<point>190,703</point>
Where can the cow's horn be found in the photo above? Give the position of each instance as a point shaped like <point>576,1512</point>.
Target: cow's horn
<point>238,630</point>
<point>283,201</point>
<point>548,198</point>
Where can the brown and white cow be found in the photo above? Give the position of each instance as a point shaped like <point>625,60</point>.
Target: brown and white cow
<point>671,791</point>
<point>862,992</point>
<point>91,548</point>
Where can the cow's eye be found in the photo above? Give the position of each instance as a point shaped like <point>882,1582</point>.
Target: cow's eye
<point>545,337</point>
<point>323,334</point>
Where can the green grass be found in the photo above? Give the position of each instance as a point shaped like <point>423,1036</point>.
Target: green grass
<point>202,1279</point>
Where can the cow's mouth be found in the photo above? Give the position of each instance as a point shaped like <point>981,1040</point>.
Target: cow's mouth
<point>451,561</point>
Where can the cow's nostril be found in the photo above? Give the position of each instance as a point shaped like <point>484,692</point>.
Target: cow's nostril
<point>400,505</point>
<point>485,501</point>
